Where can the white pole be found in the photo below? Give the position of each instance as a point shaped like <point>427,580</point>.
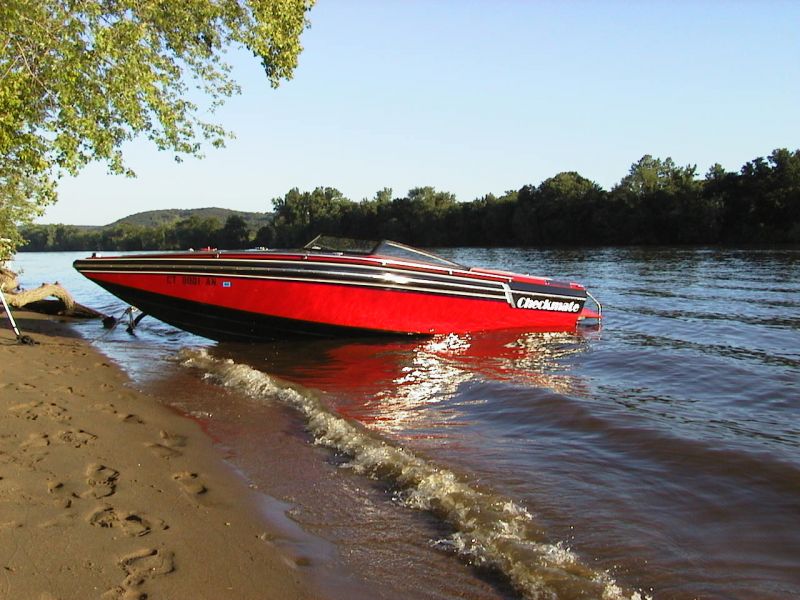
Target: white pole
<point>22,339</point>
<point>8,312</point>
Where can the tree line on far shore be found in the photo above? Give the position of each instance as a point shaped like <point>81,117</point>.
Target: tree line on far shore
<point>656,203</point>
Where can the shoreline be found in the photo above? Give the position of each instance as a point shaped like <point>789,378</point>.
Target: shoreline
<point>107,493</point>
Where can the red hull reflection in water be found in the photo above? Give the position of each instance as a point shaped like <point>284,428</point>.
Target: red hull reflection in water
<point>384,384</point>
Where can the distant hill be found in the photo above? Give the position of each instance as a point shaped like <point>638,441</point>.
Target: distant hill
<point>155,218</point>
<point>170,229</point>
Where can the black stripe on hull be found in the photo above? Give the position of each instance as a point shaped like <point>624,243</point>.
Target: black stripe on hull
<point>552,290</point>
<point>229,325</point>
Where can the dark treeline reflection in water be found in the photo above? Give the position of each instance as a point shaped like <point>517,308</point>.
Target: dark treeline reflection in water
<point>658,455</point>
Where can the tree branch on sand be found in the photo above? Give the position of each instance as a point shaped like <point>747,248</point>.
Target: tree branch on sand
<point>34,298</point>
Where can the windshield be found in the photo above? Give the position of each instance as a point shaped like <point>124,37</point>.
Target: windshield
<point>329,243</point>
<point>395,250</point>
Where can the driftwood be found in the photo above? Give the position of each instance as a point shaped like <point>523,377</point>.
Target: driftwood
<point>8,280</point>
<point>37,298</point>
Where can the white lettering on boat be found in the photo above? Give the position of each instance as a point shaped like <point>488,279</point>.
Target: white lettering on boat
<point>547,304</point>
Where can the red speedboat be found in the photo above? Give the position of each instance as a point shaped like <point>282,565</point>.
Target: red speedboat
<point>333,286</point>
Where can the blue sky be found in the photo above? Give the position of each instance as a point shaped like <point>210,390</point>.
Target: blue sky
<point>481,97</point>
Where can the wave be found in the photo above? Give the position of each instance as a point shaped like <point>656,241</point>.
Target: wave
<point>488,530</point>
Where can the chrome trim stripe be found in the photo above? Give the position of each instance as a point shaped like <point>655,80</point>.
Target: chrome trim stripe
<point>379,264</point>
<point>268,271</point>
<point>381,285</point>
<point>301,269</point>
<point>385,276</point>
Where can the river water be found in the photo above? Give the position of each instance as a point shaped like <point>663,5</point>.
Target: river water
<point>657,456</point>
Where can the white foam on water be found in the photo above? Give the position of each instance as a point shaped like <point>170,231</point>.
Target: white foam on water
<point>489,531</point>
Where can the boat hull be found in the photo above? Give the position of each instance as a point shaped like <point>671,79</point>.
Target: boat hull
<point>246,298</point>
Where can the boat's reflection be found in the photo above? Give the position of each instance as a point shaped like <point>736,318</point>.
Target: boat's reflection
<point>390,384</point>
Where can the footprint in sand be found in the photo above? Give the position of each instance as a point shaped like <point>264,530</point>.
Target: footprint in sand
<point>69,390</point>
<point>24,387</point>
<point>146,564</point>
<point>139,567</point>
<point>190,483</point>
<point>130,524</point>
<point>77,438</point>
<point>163,451</point>
<point>63,520</point>
<point>130,418</point>
<point>33,410</point>
<point>61,497</point>
<point>167,447</point>
<point>173,440</point>
<point>102,481</point>
<point>108,407</point>
<point>35,441</point>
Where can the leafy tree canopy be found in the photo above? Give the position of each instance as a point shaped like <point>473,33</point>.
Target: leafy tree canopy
<point>78,78</point>
<point>649,175</point>
<point>569,186</point>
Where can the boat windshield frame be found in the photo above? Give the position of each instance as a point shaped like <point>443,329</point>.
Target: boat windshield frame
<point>387,248</point>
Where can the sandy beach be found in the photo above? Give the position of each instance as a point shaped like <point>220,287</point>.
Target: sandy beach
<point>105,493</point>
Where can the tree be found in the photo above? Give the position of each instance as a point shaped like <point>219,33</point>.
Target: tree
<point>234,233</point>
<point>765,204</point>
<point>566,206</point>
<point>496,224</point>
<point>78,78</point>
<point>425,212</point>
<point>654,195</point>
<point>301,216</point>
<point>383,197</point>
<point>650,175</point>
<point>195,232</point>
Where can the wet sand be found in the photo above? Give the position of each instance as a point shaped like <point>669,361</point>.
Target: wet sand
<point>105,493</point>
